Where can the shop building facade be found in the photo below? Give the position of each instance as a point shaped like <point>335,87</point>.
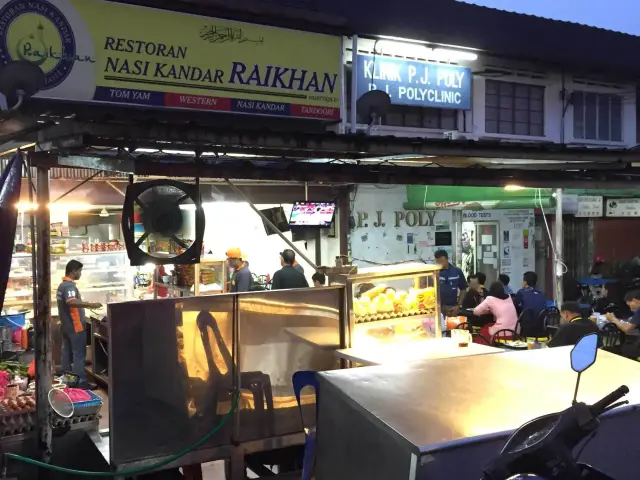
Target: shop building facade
<point>474,95</point>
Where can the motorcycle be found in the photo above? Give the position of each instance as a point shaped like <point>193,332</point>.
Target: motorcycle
<point>543,448</point>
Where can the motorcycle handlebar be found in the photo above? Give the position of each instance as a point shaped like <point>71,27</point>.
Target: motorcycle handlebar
<point>600,406</point>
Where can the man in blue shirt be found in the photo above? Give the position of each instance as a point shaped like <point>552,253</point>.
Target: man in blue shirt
<point>452,284</point>
<point>529,297</point>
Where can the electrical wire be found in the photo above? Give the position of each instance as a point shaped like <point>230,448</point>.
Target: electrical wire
<point>556,261</point>
<point>139,470</point>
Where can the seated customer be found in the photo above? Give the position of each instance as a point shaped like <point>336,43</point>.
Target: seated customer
<point>529,297</point>
<point>501,306</point>
<point>505,279</point>
<point>471,298</point>
<point>482,279</point>
<point>631,346</point>
<point>573,326</point>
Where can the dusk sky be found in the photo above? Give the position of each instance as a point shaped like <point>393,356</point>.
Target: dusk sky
<point>619,15</point>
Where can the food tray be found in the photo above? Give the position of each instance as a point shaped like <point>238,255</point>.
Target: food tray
<point>89,407</point>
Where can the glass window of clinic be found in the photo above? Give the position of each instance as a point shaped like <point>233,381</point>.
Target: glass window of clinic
<point>412,116</point>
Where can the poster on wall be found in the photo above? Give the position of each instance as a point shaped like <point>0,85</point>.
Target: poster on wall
<point>96,51</point>
<point>589,206</point>
<point>516,231</point>
<point>623,207</point>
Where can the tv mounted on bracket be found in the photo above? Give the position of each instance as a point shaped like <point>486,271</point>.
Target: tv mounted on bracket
<point>312,214</point>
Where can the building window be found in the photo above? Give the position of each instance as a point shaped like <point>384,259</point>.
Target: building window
<point>410,116</point>
<point>597,116</point>
<point>421,117</point>
<point>514,108</point>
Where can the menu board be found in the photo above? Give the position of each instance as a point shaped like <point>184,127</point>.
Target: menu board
<point>623,207</point>
<point>311,214</point>
<point>589,206</point>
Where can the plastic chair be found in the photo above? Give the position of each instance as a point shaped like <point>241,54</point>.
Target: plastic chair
<point>499,338</point>
<point>480,339</point>
<point>611,336</point>
<point>301,379</point>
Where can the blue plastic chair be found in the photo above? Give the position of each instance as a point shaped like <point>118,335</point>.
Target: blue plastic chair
<point>301,379</point>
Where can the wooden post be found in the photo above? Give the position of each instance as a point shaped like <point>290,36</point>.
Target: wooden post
<point>43,343</point>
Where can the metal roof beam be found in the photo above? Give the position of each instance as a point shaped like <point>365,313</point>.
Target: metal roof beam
<point>336,172</point>
<point>71,134</point>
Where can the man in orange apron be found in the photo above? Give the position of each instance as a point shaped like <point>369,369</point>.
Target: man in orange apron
<point>73,322</point>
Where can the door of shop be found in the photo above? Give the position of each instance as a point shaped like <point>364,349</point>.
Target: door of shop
<point>488,250</point>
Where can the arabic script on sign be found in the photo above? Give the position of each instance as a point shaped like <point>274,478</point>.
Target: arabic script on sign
<point>222,34</point>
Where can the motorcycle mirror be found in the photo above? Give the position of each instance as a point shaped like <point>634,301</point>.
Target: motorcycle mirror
<point>583,355</point>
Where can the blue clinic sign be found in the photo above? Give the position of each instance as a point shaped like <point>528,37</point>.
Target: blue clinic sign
<point>415,83</point>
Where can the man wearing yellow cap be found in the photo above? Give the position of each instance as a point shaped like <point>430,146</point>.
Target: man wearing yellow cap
<point>241,278</point>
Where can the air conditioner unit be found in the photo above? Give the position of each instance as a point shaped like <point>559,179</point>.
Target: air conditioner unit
<point>454,135</point>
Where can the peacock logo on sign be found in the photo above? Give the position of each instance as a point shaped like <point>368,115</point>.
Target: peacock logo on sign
<point>38,32</point>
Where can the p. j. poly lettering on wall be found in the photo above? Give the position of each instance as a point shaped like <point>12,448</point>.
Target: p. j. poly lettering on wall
<point>383,232</point>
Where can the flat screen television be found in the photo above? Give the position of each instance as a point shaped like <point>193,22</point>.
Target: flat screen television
<point>312,214</point>
<point>276,216</point>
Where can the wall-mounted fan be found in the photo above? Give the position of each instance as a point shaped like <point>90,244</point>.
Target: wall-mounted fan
<point>163,223</point>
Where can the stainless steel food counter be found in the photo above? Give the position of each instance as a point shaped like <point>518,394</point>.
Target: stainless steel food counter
<point>174,364</point>
<point>445,419</point>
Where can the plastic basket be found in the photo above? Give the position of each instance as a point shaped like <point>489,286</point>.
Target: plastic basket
<point>88,407</point>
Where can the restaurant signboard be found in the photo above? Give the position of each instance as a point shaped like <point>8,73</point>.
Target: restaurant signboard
<point>97,51</point>
<point>419,84</point>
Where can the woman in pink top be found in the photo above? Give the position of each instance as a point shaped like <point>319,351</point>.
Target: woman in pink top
<point>501,306</point>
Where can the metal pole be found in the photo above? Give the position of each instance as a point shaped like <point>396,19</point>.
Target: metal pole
<point>354,82</point>
<point>44,360</point>
<point>32,230</point>
<point>343,89</point>
<point>271,225</point>
<point>557,261</point>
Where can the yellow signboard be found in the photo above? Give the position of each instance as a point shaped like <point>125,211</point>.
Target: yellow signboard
<point>97,51</point>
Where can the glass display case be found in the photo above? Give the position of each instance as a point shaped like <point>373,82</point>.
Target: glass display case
<point>213,276</point>
<point>393,304</point>
<point>106,278</point>
<point>19,294</point>
<point>180,280</point>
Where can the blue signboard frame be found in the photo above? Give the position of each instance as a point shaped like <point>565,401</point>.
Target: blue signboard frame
<point>419,84</point>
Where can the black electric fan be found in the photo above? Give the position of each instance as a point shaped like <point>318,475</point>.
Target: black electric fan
<point>155,217</point>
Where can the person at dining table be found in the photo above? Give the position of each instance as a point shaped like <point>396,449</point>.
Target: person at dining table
<point>482,279</point>
<point>500,305</point>
<point>573,327</point>
<point>630,348</point>
<point>474,295</point>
